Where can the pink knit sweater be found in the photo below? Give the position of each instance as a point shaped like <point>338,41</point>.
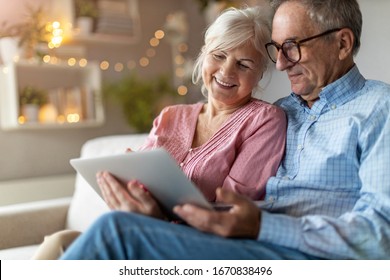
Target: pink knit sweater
<point>241,155</point>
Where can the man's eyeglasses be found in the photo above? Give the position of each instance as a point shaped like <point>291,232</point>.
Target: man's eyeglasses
<point>291,49</point>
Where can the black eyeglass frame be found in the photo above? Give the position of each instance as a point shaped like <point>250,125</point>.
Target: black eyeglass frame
<point>297,43</point>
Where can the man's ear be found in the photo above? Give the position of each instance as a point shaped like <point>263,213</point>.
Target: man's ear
<point>346,43</point>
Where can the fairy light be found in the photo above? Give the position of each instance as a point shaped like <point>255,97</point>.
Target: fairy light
<point>159,34</point>
<point>73,118</point>
<point>83,62</point>
<point>56,34</point>
<point>72,61</point>
<point>182,47</point>
<point>21,120</point>
<point>182,90</point>
<point>144,61</point>
<point>154,42</point>
<point>46,58</point>
<point>150,52</point>
<point>118,67</point>
<point>179,60</point>
<point>104,65</point>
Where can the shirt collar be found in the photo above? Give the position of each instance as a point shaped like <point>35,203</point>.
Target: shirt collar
<point>344,89</point>
<point>340,91</point>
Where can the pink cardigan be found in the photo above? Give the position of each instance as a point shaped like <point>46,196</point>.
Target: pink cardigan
<point>241,155</point>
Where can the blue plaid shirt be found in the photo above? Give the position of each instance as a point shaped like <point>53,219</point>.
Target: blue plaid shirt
<point>331,195</point>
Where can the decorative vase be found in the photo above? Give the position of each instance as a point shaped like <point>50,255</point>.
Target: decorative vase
<point>30,112</point>
<point>85,25</point>
<point>9,49</point>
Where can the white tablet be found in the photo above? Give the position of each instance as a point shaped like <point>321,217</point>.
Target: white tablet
<point>156,169</point>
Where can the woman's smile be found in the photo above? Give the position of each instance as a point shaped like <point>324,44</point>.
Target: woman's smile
<point>223,84</point>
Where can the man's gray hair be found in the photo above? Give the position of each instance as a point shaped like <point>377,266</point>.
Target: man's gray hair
<point>329,14</point>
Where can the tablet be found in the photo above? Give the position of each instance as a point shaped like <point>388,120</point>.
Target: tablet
<point>156,169</point>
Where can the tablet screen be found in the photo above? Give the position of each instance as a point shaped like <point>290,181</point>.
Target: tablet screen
<point>156,169</point>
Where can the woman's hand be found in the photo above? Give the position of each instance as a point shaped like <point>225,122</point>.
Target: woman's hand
<point>131,198</point>
<point>242,220</point>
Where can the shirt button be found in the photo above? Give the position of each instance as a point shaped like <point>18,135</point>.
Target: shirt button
<point>313,118</point>
<point>271,199</point>
<point>286,178</point>
<point>181,164</point>
<point>333,107</point>
<point>190,150</point>
<point>300,147</point>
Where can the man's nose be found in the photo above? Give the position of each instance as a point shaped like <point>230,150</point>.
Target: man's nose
<point>282,63</point>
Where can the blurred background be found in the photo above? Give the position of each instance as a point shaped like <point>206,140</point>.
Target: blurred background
<point>107,67</point>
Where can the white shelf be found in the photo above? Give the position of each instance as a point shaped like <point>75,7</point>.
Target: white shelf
<point>118,23</point>
<point>62,82</point>
<point>99,38</point>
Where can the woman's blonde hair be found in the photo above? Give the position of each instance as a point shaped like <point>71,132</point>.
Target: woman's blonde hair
<point>235,28</point>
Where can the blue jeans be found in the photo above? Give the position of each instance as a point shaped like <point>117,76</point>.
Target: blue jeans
<point>120,236</point>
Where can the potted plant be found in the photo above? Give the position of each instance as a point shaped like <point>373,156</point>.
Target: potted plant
<point>141,100</point>
<point>33,31</point>
<point>86,14</point>
<point>30,100</point>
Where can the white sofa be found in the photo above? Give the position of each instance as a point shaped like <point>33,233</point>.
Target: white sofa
<point>23,226</point>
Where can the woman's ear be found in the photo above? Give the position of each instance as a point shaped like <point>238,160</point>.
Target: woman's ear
<point>346,43</point>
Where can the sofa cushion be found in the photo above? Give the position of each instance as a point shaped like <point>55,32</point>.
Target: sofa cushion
<point>18,253</point>
<point>86,204</point>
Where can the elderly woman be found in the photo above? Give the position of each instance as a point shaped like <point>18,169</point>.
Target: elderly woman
<point>217,142</point>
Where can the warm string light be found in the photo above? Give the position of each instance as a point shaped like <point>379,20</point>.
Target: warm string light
<point>144,61</point>
<point>180,67</point>
<point>57,37</point>
<point>56,32</point>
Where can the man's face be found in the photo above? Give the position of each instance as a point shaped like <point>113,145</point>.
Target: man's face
<point>319,57</point>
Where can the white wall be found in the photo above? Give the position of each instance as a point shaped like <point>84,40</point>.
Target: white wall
<point>373,59</point>
<point>374,56</point>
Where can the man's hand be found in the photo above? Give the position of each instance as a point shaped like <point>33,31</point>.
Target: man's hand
<point>242,220</point>
<point>131,198</point>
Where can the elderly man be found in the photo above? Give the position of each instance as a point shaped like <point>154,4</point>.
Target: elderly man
<point>331,196</point>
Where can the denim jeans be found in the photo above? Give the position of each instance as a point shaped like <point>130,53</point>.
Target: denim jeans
<point>120,235</point>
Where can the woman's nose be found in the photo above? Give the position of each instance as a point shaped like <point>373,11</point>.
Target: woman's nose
<point>227,69</point>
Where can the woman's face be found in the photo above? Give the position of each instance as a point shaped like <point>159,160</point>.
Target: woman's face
<point>230,76</point>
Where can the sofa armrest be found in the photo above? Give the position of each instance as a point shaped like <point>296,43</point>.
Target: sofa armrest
<point>86,205</point>
<point>28,223</point>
